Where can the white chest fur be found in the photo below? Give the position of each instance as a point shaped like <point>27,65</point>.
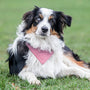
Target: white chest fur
<point>53,66</point>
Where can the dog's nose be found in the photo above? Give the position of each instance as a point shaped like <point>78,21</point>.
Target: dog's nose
<point>44,29</point>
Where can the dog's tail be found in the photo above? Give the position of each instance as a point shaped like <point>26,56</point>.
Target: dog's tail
<point>75,58</point>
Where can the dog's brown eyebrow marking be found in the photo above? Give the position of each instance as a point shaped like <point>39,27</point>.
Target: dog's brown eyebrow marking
<point>51,16</point>
<point>41,16</point>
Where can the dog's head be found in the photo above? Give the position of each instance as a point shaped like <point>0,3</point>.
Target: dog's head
<point>45,22</point>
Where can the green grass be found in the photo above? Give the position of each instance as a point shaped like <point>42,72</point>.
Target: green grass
<point>77,38</point>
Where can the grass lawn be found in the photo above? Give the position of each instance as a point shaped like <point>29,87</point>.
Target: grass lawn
<point>77,38</point>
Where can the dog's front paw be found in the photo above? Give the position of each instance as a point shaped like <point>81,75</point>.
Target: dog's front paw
<point>34,81</point>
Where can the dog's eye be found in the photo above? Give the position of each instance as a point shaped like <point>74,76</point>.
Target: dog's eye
<point>52,21</point>
<point>38,19</point>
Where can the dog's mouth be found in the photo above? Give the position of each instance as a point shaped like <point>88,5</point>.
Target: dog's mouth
<point>43,34</point>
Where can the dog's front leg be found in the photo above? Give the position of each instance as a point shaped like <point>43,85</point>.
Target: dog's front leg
<point>29,76</point>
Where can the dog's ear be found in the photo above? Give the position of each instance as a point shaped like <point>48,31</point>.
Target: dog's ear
<point>28,17</point>
<point>30,14</point>
<point>66,19</point>
<point>63,20</point>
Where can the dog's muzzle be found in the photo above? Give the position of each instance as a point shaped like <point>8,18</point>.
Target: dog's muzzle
<point>44,30</point>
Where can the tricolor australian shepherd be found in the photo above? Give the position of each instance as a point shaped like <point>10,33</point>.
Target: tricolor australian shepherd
<point>39,49</point>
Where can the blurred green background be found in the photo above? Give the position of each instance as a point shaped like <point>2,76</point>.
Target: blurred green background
<point>77,37</point>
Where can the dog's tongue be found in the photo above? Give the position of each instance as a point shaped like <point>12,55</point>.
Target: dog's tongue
<point>41,55</point>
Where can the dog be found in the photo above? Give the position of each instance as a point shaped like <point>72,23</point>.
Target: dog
<point>39,49</point>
